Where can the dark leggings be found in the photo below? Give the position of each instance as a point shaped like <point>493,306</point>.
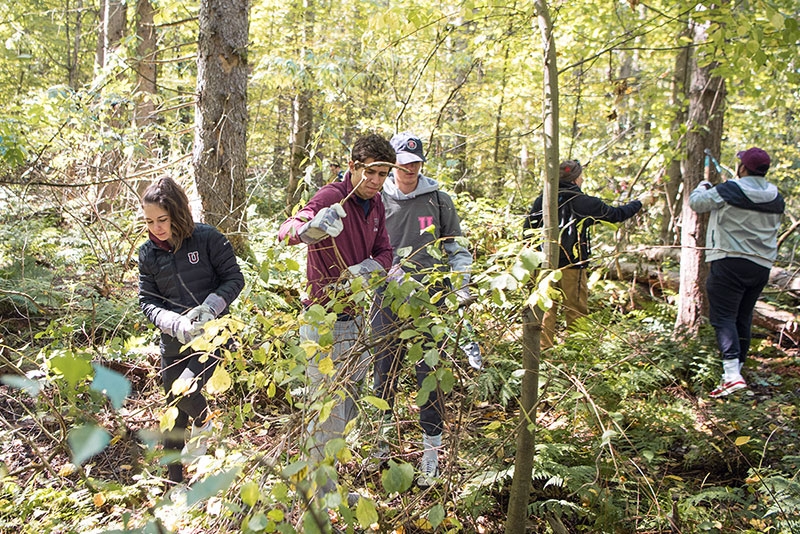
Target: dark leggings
<point>193,405</point>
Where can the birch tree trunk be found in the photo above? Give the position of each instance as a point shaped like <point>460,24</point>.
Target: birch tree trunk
<point>706,108</point>
<point>219,156</point>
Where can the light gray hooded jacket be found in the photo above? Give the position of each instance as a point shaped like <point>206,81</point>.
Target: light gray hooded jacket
<point>407,217</point>
<point>745,218</point>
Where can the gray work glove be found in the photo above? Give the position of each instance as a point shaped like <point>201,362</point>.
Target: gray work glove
<point>365,269</point>
<point>395,274</point>
<point>178,326</point>
<point>327,222</point>
<point>210,309</point>
<point>464,296</point>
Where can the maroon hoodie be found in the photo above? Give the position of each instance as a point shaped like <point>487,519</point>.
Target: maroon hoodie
<point>363,236</point>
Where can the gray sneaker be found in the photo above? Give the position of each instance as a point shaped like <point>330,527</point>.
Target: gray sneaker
<point>198,443</point>
<point>428,469</point>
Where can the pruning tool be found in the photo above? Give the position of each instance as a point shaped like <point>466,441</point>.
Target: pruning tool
<point>717,164</point>
<point>358,165</point>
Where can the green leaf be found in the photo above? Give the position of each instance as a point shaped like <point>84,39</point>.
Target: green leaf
<point>428,385</point>
<point>87,440</point>
<point>407,334</point>
<point>531,259</point>
<point>398,477</point>
<point>446,380</point>
<point>73,369</point>
<point>31,387</point>
<point>366,513</point>
<point>257,522</point>
<point>436,515</point>
<point>378,402</point>
<point>211,486</point>
<point>249,493</point>
<point>111,384</point>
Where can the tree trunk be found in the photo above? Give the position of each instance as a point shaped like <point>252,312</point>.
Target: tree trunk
<point>706,107</point>
<point>146,90</point>
<point>303,113</point>
<point>219,156</point>
<point>301,134</point>
<point>672,208</point>
<point>115,19</point>
<point>519,495</point>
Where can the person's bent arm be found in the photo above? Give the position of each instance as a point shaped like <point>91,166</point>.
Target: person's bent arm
<point>705,198</point>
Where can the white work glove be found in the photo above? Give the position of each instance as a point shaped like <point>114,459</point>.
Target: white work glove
<point>178,326</point>
<point>184,384</point>
<point>706,184</point>
<point>210,309</point>
<point>327,222</point>
<point>464,296</point>
<point>365,269</point>
<point>648,199</point>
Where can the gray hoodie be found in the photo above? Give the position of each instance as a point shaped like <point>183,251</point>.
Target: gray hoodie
<point>407,217</point>
<point>745,218</point>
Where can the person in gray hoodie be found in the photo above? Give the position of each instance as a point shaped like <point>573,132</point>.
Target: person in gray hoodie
<point>741,246</point>
<point>414,203</point>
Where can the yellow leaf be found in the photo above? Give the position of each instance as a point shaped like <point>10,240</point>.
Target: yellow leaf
<point>326,366</point>
<point>66,469</point>
<point>220,381</point>
<point>167,420</point>
<point>181,386</point>
<point>741,440</point>
<point>99,500</point>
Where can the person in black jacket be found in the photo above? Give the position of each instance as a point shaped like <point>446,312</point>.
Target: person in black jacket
<point>188,275</point>
<point>577,212</point>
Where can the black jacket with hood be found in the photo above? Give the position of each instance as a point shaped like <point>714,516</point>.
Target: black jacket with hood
<point>577,212</point>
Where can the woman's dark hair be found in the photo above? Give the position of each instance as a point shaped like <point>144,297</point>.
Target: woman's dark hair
<point>169,196</point>
<point>373,146</point>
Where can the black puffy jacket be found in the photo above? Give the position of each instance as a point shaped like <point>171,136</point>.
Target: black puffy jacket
<point>577,212</point>
<point>179,281</point>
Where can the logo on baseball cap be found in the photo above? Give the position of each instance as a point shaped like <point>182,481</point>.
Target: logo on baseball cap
<point>754,159</point>
<point>408,148</point>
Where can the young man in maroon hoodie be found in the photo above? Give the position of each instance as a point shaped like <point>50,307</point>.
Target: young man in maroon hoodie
<point>344,226</point>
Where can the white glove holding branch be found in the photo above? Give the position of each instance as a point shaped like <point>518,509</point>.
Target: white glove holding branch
<point>178,326</point>
<point>327,222</point>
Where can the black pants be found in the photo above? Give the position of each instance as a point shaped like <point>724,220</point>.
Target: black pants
<point>733,287</point>
<point>389,356</point>
<point>193,405</point>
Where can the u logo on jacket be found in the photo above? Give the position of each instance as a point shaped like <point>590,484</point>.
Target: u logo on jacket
<point>194,257</point>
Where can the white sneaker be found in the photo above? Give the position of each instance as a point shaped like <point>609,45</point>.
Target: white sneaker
<point>198,442</point>
<point>727,387</point>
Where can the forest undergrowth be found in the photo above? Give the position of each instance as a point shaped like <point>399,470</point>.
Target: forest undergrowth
<point>627,438</point>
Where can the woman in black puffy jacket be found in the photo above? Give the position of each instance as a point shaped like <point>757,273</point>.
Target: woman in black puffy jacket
<point>188,275</point>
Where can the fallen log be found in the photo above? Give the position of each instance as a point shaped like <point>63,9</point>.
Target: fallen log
<point>783,324</point>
